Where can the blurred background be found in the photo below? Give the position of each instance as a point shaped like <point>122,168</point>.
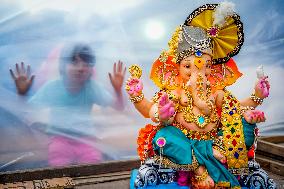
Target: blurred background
<point>135,32</point>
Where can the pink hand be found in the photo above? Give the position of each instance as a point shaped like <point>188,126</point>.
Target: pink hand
<point>167,111</point>
<point>139,86</point>
<point>166,107</point>
<point>163,99</point>
<point>134,87</point>
<point>254,116</point>
<point>131,90</point>
<point>262,88</point>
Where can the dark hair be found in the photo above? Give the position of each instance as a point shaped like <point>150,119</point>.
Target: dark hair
<point>70,52</point>
<point>84,52</point>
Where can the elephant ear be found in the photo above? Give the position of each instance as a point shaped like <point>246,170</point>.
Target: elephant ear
<point>223,75</point>
<point>164,72</point>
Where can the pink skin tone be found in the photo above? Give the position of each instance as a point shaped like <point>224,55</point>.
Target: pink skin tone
<point>254,116</point>
<point>135,87</point>
<point>262,87</point>
<point>219,156</point>
<point>166,107</point>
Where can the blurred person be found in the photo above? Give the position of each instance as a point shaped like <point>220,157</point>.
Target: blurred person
<point>70,98</point>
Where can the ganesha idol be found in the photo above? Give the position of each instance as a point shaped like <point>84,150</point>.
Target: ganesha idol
<point>201,136</point>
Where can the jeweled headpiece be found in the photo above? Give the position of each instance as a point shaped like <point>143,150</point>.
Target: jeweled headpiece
<point>213,29</point>
<point>192,40</point>
<point>211,26</point>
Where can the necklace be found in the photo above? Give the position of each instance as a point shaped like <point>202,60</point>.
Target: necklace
<point>200,120</point>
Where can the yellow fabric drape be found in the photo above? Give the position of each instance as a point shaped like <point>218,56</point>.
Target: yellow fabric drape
<point>226,40</point>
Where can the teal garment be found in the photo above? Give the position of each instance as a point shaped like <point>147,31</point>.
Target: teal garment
<point>248,130</point>
<point>70,113</point>
<point>55,94</point>
<point>179,148</point>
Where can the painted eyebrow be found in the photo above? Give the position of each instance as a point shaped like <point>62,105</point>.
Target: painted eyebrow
<point>187,63</point>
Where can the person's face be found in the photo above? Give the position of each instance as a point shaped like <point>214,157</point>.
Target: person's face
<point>78,72</point>
<point>193,65</point>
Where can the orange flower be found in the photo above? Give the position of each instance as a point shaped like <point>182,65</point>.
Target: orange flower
<point>144,141</point>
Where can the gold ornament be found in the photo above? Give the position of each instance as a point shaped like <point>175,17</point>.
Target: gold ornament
<point>202,177</point>
<point>135,71</point>
<point>173,43</point>
<point>137,99</point>
<point>200,120</point>
<point>256,99</point>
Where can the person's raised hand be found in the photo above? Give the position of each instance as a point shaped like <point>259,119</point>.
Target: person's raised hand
<point>117,77</point>
<point>22,77</point>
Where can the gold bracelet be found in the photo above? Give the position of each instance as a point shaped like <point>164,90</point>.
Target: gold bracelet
<point>201,177</point>
<point>137,99</point>
<point>256,99</point>
<point>246,108</point>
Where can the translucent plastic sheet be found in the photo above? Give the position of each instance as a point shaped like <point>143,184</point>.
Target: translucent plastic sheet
<point>37,32</point>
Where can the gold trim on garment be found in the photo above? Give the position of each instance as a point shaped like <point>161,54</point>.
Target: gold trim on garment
<point>167,163</point>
